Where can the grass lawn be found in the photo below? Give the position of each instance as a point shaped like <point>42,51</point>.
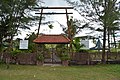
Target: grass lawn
<point>27,72</point>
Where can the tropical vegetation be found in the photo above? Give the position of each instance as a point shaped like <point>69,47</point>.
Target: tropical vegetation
<point>104,12</point>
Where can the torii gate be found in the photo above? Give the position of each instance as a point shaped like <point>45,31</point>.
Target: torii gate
<point>66,12</point>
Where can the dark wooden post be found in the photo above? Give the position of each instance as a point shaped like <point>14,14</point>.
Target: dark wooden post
<point>40,22</point>
<point>68,24</point>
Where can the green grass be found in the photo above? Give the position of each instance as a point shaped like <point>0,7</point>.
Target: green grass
<point>27,72</point>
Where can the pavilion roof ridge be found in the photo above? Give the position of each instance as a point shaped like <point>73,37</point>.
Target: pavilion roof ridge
<point>52,34</point>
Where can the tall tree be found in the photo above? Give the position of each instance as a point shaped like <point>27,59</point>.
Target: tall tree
<point>96,11</point>
<point>15,14</point>
<point>71,31</point>
<point>113,22</point>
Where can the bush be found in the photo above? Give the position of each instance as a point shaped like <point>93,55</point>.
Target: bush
<point>40,57</point>
<point>65,57</point>
<point>1,61</point>
<point>15,52</point>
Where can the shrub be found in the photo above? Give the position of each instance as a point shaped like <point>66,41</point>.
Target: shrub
<point>15,52</point>
<point>65,57</point>
<point>40,57</point>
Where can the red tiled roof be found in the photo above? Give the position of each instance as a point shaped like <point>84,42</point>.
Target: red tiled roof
<point>52,39</point>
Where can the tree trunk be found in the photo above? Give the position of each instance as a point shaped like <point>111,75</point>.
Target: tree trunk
<point>10,44</point>
<point>108,42</point>
<point>0,43</point>
<point>104,44</point>
<point>1,51</point>
<point>104,33</point>
<point>114,39</point>
<point>108,39</point>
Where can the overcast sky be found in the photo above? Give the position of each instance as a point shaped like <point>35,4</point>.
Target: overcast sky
<point>55,3</point>
<point>60,18</point>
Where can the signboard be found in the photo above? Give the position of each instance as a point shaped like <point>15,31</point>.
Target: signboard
<point>23,44</point>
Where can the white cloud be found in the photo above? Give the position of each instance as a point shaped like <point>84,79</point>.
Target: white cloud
<point>55,3</point>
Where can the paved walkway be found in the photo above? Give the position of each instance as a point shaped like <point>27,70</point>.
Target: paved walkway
<point>49,64</point>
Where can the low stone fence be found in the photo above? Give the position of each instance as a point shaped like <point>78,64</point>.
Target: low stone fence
<point>81,58</point>
<point>78,58</point>
<point>29,58</point>
<point>108,56</point>
<point>94,58</point>
<point>23,58</point>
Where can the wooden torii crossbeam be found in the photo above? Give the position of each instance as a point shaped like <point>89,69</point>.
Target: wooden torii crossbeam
<point>54,8</point>
<point>41,13</point>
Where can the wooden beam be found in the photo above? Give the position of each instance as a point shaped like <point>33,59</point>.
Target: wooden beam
<point>53,8</point>
<point>40,22</point>
<point>52,13</point>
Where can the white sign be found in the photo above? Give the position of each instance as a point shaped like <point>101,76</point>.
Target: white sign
<point>23,44</point>
<point>85,43</point>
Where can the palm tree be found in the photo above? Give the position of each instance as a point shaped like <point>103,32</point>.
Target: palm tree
<point>91,11</point>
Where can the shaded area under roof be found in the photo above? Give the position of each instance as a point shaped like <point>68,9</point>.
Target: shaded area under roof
<point>52,39</point>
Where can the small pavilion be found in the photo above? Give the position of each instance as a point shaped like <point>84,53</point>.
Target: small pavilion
<point>52,39</point>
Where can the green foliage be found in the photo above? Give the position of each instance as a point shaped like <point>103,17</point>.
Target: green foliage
<point>73,27</point>
<point>115,50</point>
<point>119,45</point>
<point>15,14</point>
<point>60,48</point>
<point>26,51</point>
<point>15,52</point>
<point>50,26</point>
<point>76,44</point>
<point>64,57</point>
<point>40,57</point>
<point>103,11</point>
<point>32,47</point>
<point>84,50</point>
<point>31,37</point>
<point>93,51</point>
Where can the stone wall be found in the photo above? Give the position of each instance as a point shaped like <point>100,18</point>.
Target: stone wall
<point>23,58</point>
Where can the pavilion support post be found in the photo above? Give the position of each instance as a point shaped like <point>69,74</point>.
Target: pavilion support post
<point>52,54</point>
<point>40,22</point>
<point>68,49</point>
